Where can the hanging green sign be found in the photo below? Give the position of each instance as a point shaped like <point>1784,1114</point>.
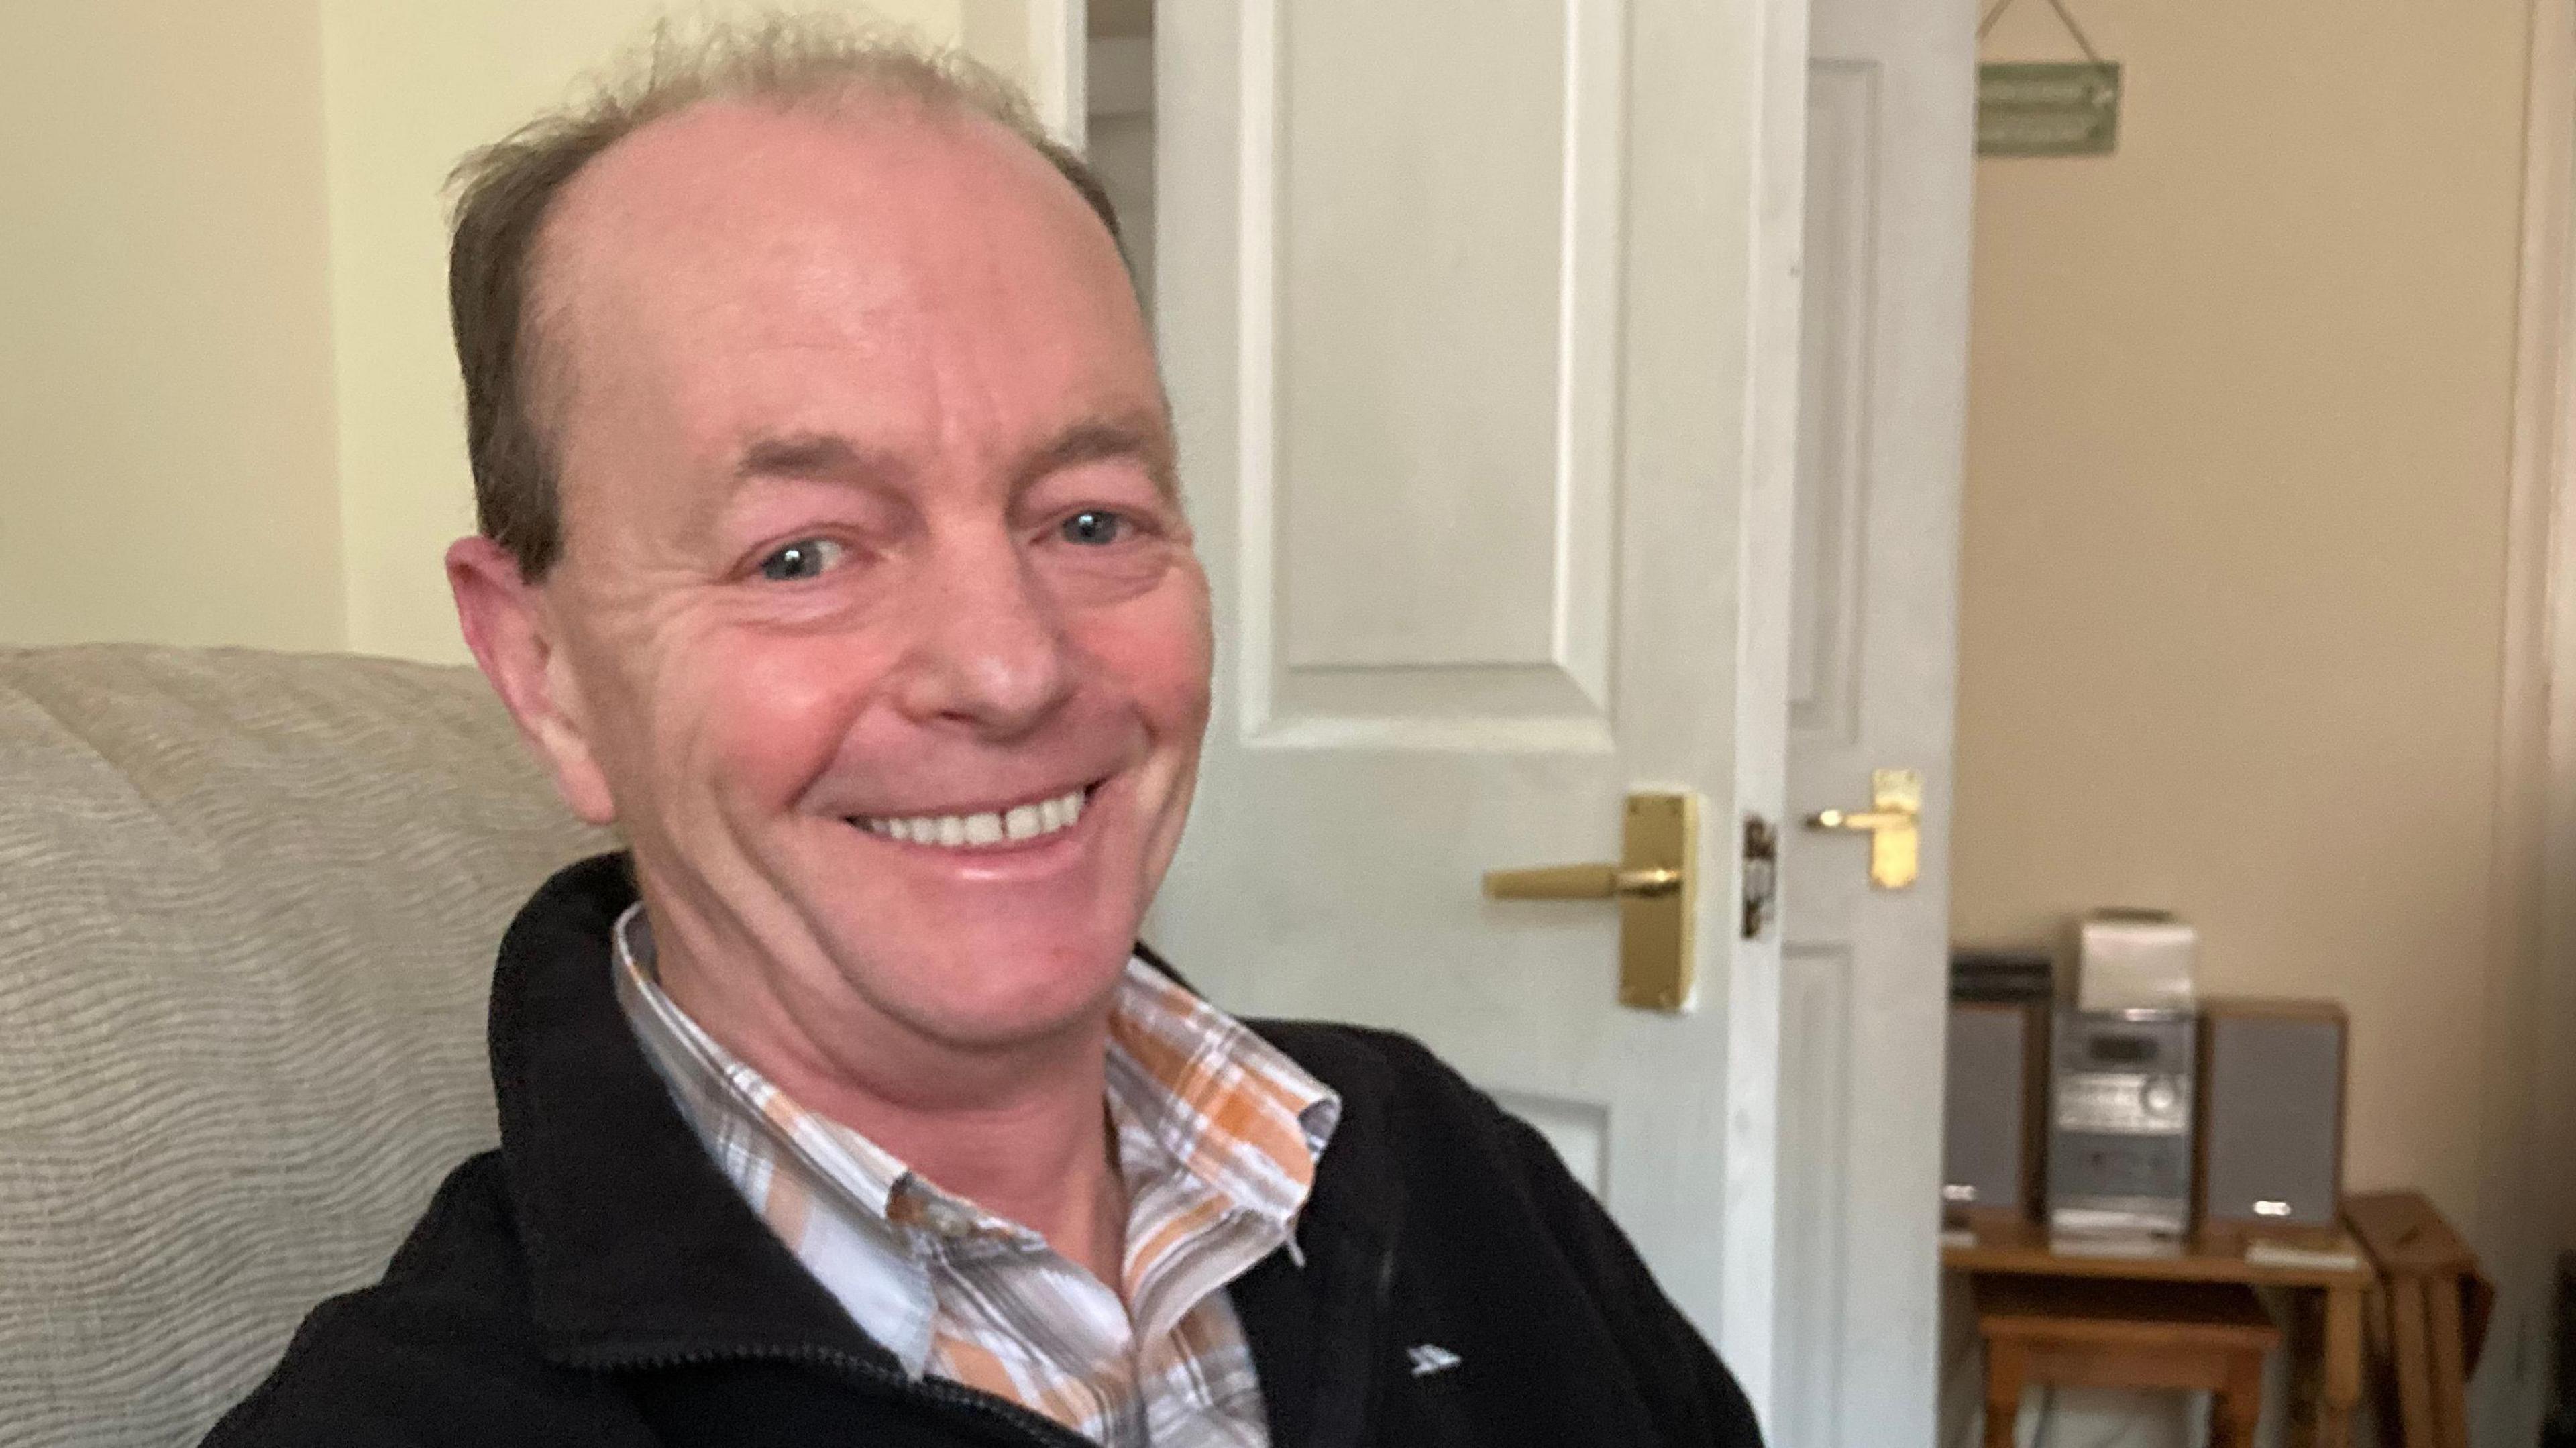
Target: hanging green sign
<point>2048,108</point>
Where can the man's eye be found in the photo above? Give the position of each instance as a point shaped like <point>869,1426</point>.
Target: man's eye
<point>1093,526</point>
<point>804,558</point>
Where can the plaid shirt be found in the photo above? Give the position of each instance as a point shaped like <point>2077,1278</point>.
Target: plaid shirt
<point>1218,1136</point>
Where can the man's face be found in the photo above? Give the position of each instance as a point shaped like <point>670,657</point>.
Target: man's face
<point>878,628</point>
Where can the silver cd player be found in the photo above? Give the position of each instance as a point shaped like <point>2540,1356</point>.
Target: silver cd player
<point>2119,1140</point>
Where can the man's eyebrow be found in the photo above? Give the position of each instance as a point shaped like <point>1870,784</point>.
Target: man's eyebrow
<point>822,456</point>
<point>1141,436</point>
<point>835,458</point>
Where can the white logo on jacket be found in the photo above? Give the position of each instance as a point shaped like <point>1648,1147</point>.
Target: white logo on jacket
<point>1428,1358</point>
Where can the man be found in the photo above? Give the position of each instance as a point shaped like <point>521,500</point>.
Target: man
<point>831,552</point>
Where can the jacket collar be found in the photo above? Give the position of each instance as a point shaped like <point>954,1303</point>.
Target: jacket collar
<point>638,1249</point>
<point>640,1252</point>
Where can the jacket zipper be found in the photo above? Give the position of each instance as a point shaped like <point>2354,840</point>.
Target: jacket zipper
<point>1036,1427</point>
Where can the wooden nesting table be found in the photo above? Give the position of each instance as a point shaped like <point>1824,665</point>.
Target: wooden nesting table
<point>2119,1333</point>
<point>2325,1333</point>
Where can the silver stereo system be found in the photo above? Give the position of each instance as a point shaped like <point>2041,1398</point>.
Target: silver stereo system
<point>2120,1121</point>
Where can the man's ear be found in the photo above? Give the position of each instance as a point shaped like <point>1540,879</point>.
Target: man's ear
<point>506,625</point>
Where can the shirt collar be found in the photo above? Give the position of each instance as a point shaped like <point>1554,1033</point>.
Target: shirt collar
<point>1222,1104</point>
<point>725,1099</point>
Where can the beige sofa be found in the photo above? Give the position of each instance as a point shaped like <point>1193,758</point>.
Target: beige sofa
<point>248,904</point>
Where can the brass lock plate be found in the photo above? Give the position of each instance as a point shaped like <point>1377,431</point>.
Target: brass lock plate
<point>1893,822</point>
<point>1656,969</point>
<point>1896,851</point>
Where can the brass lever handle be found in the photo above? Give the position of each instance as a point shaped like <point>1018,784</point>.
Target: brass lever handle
<point>1653,883</point>
<point>1867,819</point>
<point>1893,822</point>
<point>1578,882</point>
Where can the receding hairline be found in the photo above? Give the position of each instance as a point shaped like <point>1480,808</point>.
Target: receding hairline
<point>858,108</point>
<point>506,200</point>
<point>585,203</point>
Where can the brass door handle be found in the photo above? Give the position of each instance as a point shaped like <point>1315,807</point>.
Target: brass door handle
<point>1655,883</point>
<point>1868,819</point>
<point>1579,882</point>
<point>1893,822</point>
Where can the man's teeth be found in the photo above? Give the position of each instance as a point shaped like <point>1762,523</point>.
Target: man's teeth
<point>992,827</point>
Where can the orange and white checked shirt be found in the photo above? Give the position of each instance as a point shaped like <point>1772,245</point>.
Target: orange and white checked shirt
<point>1218,1136</point>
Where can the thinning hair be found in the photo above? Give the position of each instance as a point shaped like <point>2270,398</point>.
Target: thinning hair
<point>504,193</point>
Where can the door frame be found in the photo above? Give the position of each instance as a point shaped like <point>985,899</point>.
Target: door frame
<point>1041,43</point>
<point>1753,1332</point>
<point>2527,1196</point>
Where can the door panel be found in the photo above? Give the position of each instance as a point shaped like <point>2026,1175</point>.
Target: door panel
<point>1826,691</point>
<point>1442,397</point>
<point>1428,531</point>
<point>1833,400</point>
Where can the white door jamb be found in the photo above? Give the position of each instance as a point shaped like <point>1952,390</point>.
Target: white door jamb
<point>2527,1197</point>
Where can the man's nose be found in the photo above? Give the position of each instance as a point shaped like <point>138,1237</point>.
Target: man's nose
<point>990,647</point>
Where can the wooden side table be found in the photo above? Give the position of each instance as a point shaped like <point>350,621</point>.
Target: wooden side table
<point>2428,1321</point>
<point>2106,1333</point>
<point>2325,1345</point>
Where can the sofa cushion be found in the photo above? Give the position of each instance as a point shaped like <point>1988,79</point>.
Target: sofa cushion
<point>248,908</point>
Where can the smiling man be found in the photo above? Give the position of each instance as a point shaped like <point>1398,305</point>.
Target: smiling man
<point>831,552</point>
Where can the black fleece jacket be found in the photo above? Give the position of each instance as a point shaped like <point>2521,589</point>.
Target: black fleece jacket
<point>597,1281</point>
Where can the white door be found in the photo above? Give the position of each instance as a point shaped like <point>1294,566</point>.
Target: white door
<point>1890,146</point>
<point>1479,318</point>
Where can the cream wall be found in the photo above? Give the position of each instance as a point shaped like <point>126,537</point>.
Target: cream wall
<point>226,386</point>
<point>165,356</point>
<point>2233,579</point>
<point>409,86</point>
